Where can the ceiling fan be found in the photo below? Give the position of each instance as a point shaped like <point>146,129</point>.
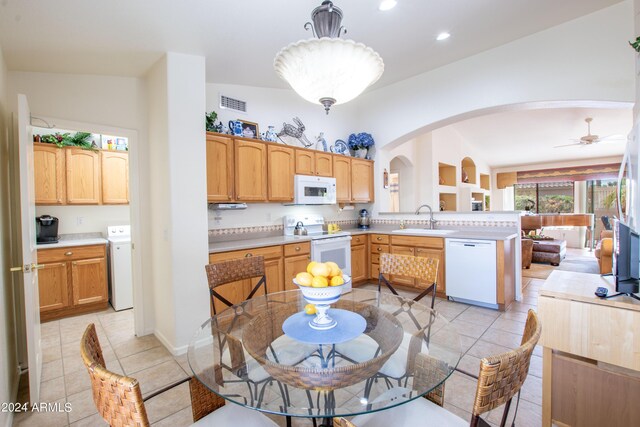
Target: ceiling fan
<point>590,139</point>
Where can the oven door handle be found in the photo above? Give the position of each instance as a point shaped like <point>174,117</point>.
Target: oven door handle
<point>330,240</point>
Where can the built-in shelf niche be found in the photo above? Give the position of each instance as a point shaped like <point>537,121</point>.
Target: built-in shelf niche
<point>478,197</point>
<point>485,182</point>
<point>468,166</point>
<point>449,200</point>
<point>447,174</point>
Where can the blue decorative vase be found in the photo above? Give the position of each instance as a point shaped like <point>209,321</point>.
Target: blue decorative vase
<point>236,127</point>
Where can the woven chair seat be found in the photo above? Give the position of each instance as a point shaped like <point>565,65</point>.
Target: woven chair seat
<point>419,412</point>
<point>235,415</point>
<point>364,348</point>
<point>289,352</point>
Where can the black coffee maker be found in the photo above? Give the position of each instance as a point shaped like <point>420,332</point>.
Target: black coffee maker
<point>46,229</point>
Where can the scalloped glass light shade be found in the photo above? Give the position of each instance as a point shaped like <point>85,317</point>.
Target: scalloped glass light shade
<point>328,68</point>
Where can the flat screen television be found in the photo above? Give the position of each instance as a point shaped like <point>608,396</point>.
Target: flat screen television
<point>626,258</point>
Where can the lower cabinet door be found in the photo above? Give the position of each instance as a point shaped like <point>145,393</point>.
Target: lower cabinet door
<point>53,287</point>
<point>358,263</point>
<point>402,280</point>
<point>273,271</point>
<point>89,281</point>
<point>292,266</point>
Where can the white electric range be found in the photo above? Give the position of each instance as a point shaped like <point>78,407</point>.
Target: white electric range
<point>325,246</point>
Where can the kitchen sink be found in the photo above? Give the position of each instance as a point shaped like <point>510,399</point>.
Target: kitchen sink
<point>424,231</point>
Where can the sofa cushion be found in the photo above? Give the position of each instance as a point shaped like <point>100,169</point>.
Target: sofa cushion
<point>550,246</point>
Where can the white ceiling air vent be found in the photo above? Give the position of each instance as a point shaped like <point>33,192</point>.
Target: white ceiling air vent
<point>233,104</point>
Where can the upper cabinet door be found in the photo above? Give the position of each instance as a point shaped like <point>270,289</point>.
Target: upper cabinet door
<point>281,170</point>
<point>115,177</point>
<point>83,176</point>
<point>305,162</point>
<point>361,181</point>
<point>342,173</point>
<point>220,169</point>
<point>324,164</point>
<point>49,180</point>
<point>251,171</point>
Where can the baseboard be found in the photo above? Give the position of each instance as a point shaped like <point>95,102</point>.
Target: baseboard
<point>175,351</point>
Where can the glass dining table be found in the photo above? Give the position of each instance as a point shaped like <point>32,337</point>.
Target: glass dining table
<point>385,351</point>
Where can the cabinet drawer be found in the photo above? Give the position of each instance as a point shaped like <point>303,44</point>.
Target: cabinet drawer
<point>375,258</point>
<point>425,242</point>
<point>375,271</point>
<point>297,249</point>
<point>358,240</point>
<point>380,238</point>
<point>268,252</point>
<point>402,250</point>
<point>71,253</point>
<point>378,249</point>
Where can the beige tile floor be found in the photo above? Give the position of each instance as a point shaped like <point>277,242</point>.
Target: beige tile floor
<point>64,379</point>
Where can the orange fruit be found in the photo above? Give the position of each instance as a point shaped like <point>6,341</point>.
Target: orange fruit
<point>336,281</point>
<point>321,269</point>
<point>310,266</point>
<point>319,282</point>
<point>310,309</point>
<point>304,279</point>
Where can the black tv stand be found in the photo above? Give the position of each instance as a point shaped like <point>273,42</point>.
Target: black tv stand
<point>623,293</point>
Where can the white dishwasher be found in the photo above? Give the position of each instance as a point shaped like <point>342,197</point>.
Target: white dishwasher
<point>471,271</point>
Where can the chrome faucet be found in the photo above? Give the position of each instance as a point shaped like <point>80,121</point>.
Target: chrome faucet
<point>432,222</point>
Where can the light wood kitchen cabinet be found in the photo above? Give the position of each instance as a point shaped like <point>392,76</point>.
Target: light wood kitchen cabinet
<point>431,247</point>
<point>250,171</point>
<point>82,176</point>
<point>358,259</point>
<point>49,174</point>
<point>72,281</point>
<point>239,291</point>
<point>439,255</point>
<point>220,168</point>
<point>361,181</point>
<point>296,258</point>
<point>342,173</point>
<point>52,287</point>
<point>309,162</point>
<point>281,169</point>
<point>324,164</point>
<point>88,278</point>
<point>115,177</point>
<point>305,162</point>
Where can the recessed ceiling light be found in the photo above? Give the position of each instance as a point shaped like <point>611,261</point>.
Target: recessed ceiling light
<point>443,36</point>
<point>387,4</point>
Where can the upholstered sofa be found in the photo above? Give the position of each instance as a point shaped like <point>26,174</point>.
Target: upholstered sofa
<point>527,252</point>
<point>604,251</point>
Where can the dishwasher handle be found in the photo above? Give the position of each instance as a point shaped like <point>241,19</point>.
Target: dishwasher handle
<point>469,244</point>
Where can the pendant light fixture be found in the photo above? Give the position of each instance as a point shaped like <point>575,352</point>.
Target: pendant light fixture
<point>327,69</point>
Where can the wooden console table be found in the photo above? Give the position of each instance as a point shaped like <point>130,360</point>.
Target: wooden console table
<point>591,353</point>
<point>536,222</point>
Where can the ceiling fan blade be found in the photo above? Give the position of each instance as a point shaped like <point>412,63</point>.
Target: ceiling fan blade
<point>613,138</point>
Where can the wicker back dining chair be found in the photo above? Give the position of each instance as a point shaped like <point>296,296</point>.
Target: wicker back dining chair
<point>418,268</point>
<point>225,272</point>
<point>119,400</point>
<point>500,379</point>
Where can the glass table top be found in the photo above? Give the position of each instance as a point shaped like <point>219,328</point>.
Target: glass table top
<point>405,351</point>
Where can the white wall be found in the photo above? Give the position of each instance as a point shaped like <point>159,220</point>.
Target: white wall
<point>178,194</point>
<point>553,65</point>
<point>93,218</point>
<point>8,345</point>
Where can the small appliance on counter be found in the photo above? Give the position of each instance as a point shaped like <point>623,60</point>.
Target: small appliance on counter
<point>299,230</point>
<point>364,220</point>
<point>47,229</point>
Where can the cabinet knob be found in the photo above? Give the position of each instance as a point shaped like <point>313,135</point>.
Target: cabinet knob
<point>74,263</point>
<point>248,255</point>
<point>297,248</point>
<point>378,238</point>
<point>68,253</point>
<point>379,249</point>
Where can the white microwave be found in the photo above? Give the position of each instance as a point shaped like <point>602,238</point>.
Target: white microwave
<point>314,190</point>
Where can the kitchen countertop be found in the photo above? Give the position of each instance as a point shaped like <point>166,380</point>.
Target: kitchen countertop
<point>250,242</point>
<point>76,239</point>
